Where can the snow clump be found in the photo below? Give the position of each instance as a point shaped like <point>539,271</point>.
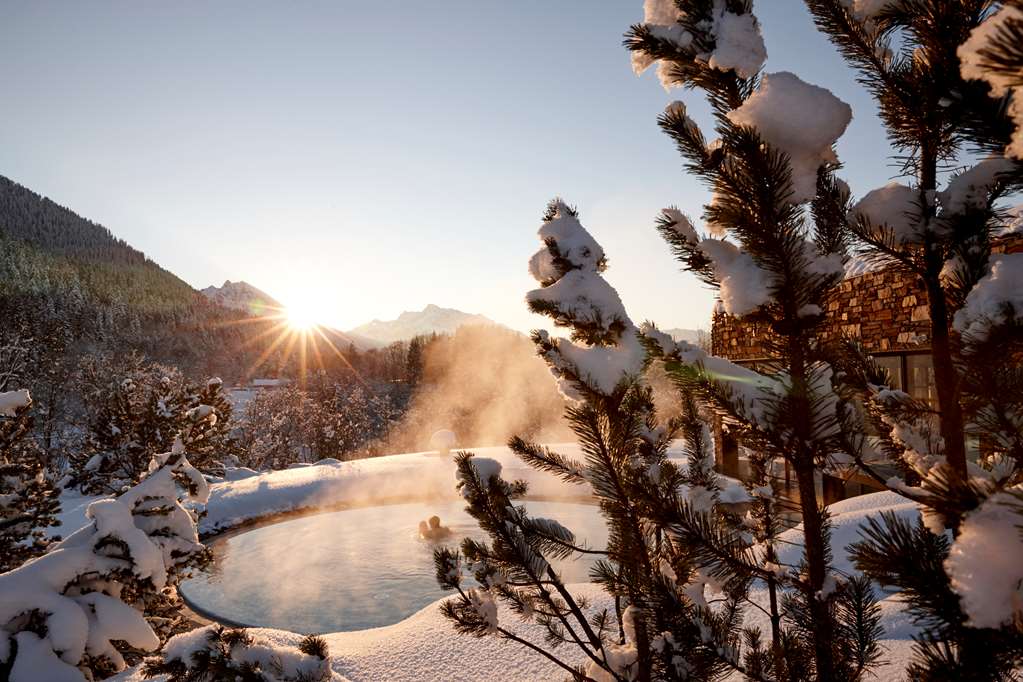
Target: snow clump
<point>802,120</point>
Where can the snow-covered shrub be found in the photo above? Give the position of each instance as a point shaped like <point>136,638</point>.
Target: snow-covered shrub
<point>213,653</point>
<point>28,499</point>
<point>137,409</point>
<point>75,612</point>
<point>325,420</point>
<point>208,426</point>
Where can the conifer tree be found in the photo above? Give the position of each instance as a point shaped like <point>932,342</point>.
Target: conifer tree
<point>776,246</point>
<point>905,53</point>
<point>929,65</point>
<point>80,611</point>
<point>672,534</point>
<point>28,499</point>
<point>208,425</point>
<point>136,412</point>
<point>599,370</point>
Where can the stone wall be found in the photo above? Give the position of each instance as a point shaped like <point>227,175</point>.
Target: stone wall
<point>886,310</point>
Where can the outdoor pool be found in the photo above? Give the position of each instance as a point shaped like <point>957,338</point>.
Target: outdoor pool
<point>354,569</point>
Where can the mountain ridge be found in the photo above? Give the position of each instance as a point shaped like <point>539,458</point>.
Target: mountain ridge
<point>411,323</point>
<point>243,296</point>
<point>65,277</point>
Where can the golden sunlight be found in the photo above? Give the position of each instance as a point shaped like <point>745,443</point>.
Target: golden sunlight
<point>301,317</point>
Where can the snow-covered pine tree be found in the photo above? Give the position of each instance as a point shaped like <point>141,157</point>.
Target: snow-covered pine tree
<point>29,501</point>
<point>277,429</point>
<point>926,63</point>
<point>905,52</point>
<point>213,653</point>
<point>135,411</point>
<point>74,613</point>
<point>662,626</point>
<point>776,246</point>
<point>208,427</point>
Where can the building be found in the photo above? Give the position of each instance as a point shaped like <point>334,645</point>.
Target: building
<point>886,311</point>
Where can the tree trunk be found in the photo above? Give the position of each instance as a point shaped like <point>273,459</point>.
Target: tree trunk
<point>946,379</point>
<point>813,524</point>
<point>813,537</point>
<point>776,650</point>
<point>950,413</point>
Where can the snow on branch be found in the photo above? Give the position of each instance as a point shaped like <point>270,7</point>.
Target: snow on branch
<point>994,53</point>
<point>574,294</point>
<point>802,120</point>
<point>723,40</point>
<point>996,299</point>
<point>139,540</point>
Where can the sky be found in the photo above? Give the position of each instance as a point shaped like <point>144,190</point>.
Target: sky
<point>359,159</point>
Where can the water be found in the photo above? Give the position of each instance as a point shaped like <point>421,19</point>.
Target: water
<point>352,570</point>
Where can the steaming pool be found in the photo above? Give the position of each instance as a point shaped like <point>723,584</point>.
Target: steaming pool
<point>353,569</point>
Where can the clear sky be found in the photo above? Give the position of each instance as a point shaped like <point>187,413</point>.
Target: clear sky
<point>366,157</point>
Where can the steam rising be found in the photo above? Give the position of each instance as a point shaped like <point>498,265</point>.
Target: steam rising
<point>486,384</point>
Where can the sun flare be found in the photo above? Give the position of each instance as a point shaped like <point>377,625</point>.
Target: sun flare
<point>300,317</point>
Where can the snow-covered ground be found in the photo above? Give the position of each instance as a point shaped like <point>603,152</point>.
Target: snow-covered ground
<point>424,646</point>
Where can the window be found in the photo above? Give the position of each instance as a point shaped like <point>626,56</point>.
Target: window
<point>892,363</point>
<point>920,375</point>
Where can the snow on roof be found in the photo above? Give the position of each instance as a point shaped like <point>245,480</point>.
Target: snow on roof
<point>12,401</point>
<point>270,382</point>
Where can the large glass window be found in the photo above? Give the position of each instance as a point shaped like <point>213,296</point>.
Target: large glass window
<point>892,363</point>
<point>920,375</point>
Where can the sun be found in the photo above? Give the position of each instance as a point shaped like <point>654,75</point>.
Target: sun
<point>300,317</point>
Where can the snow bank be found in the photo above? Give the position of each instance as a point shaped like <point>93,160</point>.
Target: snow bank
<point>425,646</point>
<point>848,518</point>
<point>860,264</point>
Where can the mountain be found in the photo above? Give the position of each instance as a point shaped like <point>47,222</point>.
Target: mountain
<point>243,296</point>
<point>47,250</point>
<point>694,336</point>
<point>250,300</point>
<point>431,319</point>
<point>70,281</point>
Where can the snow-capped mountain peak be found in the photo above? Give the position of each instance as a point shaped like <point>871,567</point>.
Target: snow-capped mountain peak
<point>410,323</point>
<point>242,296</point>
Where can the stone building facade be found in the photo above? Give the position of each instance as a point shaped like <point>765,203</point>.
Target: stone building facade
<point>885,310</point>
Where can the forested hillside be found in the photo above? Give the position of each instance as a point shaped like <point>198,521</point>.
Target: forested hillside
<point>64,275</point>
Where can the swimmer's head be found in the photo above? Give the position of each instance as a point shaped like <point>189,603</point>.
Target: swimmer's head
<point>434,522</point>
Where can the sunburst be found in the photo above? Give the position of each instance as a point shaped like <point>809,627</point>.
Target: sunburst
<point>293,330</point>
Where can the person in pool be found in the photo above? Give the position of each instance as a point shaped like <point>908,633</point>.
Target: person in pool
<point>432,530</point>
